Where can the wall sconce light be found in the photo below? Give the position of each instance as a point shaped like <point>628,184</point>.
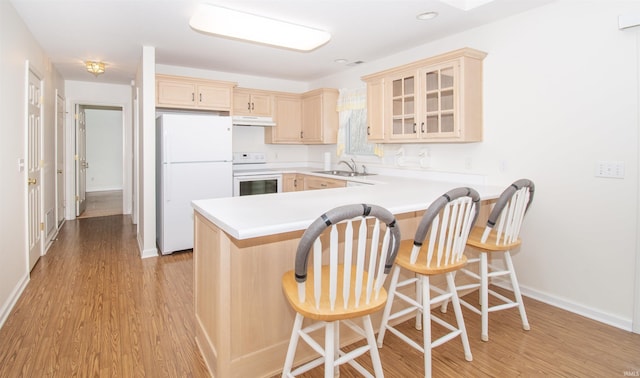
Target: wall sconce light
<point>95,68</point>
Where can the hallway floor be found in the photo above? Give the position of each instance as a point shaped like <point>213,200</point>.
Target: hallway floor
<point>103,203</point>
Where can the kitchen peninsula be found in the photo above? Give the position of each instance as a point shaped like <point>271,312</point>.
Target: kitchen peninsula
<point>243,245</point>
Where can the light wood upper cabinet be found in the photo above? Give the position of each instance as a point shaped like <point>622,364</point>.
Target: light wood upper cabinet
<point>189,93</point>
<point>288,118</point>
<point>309,118</point>
<point>375,110</point>
<point>320,116</point>
<point>438,99</point>
<point>252,102</point>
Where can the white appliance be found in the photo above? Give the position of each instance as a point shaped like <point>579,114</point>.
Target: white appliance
<point>193,161</point>
<point>250,178</point>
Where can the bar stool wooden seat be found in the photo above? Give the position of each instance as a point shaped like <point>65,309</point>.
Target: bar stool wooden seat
<point>499,237</point>
<point>361,243</point>
<point>437,249</point>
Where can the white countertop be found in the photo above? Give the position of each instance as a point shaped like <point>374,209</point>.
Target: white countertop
<point>260,215</point>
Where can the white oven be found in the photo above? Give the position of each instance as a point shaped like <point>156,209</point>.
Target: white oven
<point>250,177</point>
<point>250,183</point>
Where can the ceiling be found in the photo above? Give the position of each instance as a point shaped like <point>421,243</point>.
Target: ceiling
<point>113,31</point>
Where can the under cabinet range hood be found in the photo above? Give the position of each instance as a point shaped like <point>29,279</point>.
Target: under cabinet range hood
<point>252,121</point>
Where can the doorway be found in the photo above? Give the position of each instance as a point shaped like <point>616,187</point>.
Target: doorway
<point>99,161</point>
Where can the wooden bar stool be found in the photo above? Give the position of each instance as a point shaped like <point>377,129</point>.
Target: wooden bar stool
<point>499,236</point>
<point>447,223</point>
<point>362,244</point>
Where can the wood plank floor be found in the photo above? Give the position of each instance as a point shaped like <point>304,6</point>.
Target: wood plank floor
<point>102,203</point>
<point>94,308</point>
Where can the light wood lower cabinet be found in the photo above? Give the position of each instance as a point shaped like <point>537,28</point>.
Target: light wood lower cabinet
<point>315,182</point>
<point>293,182</point>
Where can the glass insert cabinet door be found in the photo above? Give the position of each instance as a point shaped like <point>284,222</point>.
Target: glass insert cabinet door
<point>440,101</point>
<point>403,107</point>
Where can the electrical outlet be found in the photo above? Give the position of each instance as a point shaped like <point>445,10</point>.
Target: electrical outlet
<point>610,169</point>
<point>468,163</point>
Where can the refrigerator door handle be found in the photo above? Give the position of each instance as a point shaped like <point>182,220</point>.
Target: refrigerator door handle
<point>167,166</point>
<point>167,186</point>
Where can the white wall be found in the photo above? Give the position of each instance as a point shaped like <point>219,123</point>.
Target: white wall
<point>560,93</point>
<point>104,149</point>
<point>99,94</point>
<point>17,47</point>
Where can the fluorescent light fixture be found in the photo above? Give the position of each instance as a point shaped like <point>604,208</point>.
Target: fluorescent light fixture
<point>466,5</point>
<point>230,23</point>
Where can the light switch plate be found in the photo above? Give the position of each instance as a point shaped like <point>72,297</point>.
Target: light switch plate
<point>610,169</point>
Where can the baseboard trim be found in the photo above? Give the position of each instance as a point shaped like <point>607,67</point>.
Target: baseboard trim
<point>149,252</point>
<point>576,308</point>
<point>13,299</point>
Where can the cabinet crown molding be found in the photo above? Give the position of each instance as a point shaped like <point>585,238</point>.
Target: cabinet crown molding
<point>463,52</point>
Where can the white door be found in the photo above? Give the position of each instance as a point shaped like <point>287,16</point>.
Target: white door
<point>60,176</point>
<point>81,160</point>
<point>34,186</point>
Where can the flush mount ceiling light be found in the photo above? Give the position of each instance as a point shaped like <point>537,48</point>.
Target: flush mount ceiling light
<point>427,16</point>
<point>230,23</point>
<point>94,67</point>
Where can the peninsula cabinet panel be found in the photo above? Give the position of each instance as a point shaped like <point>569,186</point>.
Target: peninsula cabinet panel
<point>288,119</point>
<point>252,102</point>
<point>438,99</point>
<point>179,92</point>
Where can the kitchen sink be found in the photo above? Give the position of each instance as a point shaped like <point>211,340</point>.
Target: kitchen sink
<point>344,173</point>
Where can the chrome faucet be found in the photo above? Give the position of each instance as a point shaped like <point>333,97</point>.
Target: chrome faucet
<point>353,166</point>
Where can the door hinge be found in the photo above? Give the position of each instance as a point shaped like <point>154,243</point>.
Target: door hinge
<point>77,198</point>
<point>75,157</point>
<point>41,226</point>
<point>75,115</point>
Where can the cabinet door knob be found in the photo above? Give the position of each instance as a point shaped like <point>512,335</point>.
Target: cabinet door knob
<point>414,128</point>
<point>368,130</point>
<point>32,181</point>
<point>252,106</point>
<point>248,106</point>
<point>422,127</point>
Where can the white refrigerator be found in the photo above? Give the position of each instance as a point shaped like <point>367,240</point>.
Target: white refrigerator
<point>193,161</point>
